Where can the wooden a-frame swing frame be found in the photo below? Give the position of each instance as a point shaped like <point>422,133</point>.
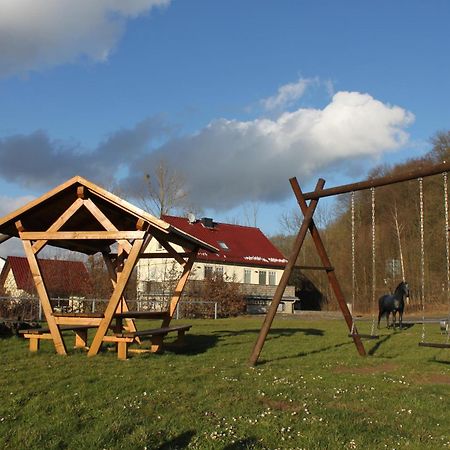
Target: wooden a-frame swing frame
<point>309,225</point>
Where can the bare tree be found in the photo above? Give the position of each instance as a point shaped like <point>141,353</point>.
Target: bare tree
<point>165,190</point>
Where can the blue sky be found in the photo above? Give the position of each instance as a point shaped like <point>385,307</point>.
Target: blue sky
<point>239,96</point>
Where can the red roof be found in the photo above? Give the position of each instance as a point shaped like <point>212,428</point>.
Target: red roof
<point>62,278</point>
<point>238,244</point>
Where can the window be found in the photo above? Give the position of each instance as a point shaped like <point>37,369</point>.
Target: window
<point>247,276</point>
<point>223,246</point>
<point>209,271</point>
<point>219,272</point>
<point>272,278</point>
<point>262,277</point>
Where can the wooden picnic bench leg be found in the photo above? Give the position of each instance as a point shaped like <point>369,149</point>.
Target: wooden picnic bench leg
<point>80,338</point>
<point>157,344</point>
<point>122,350</point>
<point>180,337</point>
<point>34,343</point>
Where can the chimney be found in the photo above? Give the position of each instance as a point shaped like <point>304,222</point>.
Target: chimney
<point>207,222</point>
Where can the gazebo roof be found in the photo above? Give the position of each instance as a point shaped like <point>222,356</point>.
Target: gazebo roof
<point>40,214</point>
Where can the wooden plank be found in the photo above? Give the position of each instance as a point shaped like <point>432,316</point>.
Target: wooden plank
<point>179,288</point>
<point>160,255</point>
<point>71,314</point>
<point>172,253</point>
<point>104,221</point>
<point>158,331</point>
<point>116,339</point>
<point>47,336</point>
<point>434,345</point>
<point>74,321</point>
<point>270,315</point>
<point>116,296</point>
<point>69,235</point>
<point>122,306</point>
<point>142,314</point>
<point>70,211</point>
<point>58,341</point>
<point>332,279</point>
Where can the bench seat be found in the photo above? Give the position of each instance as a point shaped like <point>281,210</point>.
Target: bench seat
<point>36,334</point>
<point>156,336</point>
<point>142,315</point>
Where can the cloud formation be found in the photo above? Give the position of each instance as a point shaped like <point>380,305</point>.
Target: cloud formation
<point>230,162</point>
<point>287,94</point>
<point>226,163</point>
<point>36,34</point>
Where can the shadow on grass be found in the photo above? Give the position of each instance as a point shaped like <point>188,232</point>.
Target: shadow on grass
<point>274,333</point>
<point>194,344</point>
<point>302,354</point>
<point>379,343</point>
<point>181,441</point>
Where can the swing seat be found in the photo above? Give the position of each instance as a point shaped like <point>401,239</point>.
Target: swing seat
<point>434,344</point>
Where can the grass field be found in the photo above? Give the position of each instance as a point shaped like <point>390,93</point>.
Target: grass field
<point>310,391</point>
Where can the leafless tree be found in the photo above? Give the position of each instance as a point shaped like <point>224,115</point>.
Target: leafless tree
<point>165,190</point>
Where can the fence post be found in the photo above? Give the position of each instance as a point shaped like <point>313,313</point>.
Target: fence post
<point>215,310</point>
<point>93,305</point>
<point>40,310</point>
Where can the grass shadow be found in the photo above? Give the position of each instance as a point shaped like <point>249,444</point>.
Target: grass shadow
<point>181,441</point>
<point>303,354</point>
<point>379,343</point>
<point>194,344</point>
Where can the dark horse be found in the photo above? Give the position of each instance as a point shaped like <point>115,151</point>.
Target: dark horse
<point>392,303</point>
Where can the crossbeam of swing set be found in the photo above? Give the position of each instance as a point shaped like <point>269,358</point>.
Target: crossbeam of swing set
<point>422,172</point>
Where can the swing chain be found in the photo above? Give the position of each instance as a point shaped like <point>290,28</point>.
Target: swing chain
<point>373,260</point>
<point>353,259</point>
<point>422,256</point>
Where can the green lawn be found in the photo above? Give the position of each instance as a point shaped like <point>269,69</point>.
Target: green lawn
<point>310,390</point>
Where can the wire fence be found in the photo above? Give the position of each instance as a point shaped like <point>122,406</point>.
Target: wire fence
<point>29,308</point>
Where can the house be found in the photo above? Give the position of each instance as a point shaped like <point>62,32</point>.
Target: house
<point>64,279</point>
<point>245,256</point>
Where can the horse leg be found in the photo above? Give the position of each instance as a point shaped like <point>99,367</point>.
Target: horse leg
<point>400,319</point>
<point>380,313</point>
<point>387,319</point>
<point>394,315</point>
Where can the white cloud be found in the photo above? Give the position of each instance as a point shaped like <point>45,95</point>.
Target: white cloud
<point>35,34</point>
<point>287,94</point>
<point>229,162</point>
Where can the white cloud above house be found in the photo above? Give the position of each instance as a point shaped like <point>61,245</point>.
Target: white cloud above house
<point>226,163</point>
<point>37,34</point>
<point>288,94</point>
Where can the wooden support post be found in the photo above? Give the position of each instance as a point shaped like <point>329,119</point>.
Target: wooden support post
<point>80,338</point>
<point>285,278</point>
<point>122,348</point>
<point>330,273</point>
<point>122,306</point>
<point>58,341</point>
<point>116,296</point>
<point>34,343</point>
<point>179,288</point>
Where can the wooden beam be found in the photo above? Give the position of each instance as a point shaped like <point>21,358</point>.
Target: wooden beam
<point>172,253</point>
<point>62,219</point>
<point>179,288</point>
<point>58,341</point>
<point>122,307</point>
<point>75,235</point>
<point>284,278</point>
<point>116,296</point>
<point>104,221</point>
<point>332,279</point>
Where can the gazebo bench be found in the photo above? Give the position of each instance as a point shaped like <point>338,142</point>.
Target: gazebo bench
<point>36,334</point>
<point>156,336</point>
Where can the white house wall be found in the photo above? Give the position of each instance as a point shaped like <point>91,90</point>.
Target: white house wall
<point>162,269</point>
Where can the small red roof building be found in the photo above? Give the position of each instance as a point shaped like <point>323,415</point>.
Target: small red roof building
<point>62,278</point>
<point>239,245</point>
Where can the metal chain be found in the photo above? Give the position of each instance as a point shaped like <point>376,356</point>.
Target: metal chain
<point>422,256</point>
<point>373,260</point>
<point>447,247</point>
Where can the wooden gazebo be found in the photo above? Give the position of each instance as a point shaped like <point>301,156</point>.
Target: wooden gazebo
<point>82,217</point>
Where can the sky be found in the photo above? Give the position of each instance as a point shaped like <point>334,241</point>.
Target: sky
<point>237,96</point>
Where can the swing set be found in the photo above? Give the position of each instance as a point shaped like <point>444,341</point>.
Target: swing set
<point>308,224</point>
